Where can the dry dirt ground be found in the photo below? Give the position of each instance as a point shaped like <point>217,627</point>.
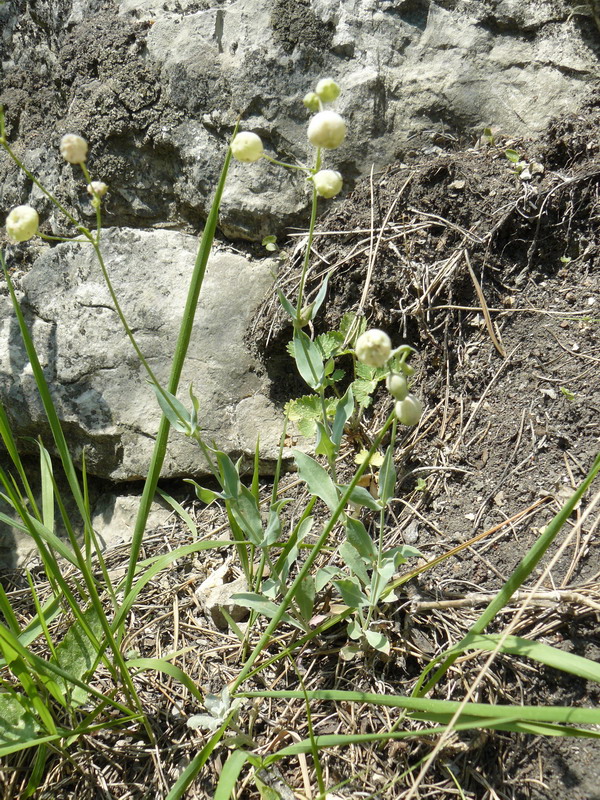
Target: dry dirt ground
<point>494,277</point>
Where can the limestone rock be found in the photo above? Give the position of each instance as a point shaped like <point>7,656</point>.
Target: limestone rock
<point>114,516</point>
<point>216,593</point>
<point>157,87</point>
<point>100,389</point>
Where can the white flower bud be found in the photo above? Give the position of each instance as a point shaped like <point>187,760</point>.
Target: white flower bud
<point>373,348</point>
<point>311,101</point>
<point>247,147</point>
<point>97,188</point>
<point>326,129</point>
<point>397,385</point>
<point>328,90</point>
<point>22,224</point>
<point>328,182</point>
<point>409,410</point>
<point>73,148</point>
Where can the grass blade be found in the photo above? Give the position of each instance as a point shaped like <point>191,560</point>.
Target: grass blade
<point>543,653</point>
<point>181,348</point>
<point>423,705</point>
<point>229,774</point>
<point>524,569</point>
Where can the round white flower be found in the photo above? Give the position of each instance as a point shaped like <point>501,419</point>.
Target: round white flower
<point>328,90</point>
<point>73,148</point>
<point>247,147</point>
<point>326,129</point>
<point>373,348</point>
<point>328,182</point>
<point>409,410</point>
<point>22,224</point>
<point>397,385</point>
<point>97,188</point>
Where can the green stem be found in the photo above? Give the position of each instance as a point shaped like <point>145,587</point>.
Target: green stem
<point>299,167</point>
<point>376,577</point>
<point>311,231</point>
<point>40,186</point>
<point>181,348</point>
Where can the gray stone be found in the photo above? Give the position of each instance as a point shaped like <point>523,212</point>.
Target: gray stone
<point>100,389</point>
<point>158,86</point>
<point>215,593</point>
<point>114,517</point>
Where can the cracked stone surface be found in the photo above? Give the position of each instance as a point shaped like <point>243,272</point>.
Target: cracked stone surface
<point>156,88</point>
<point>101,391</point>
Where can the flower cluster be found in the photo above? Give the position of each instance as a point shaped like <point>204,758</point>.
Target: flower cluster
<point>374,348</point>
<point>326,130</point>
<point>22,222</point>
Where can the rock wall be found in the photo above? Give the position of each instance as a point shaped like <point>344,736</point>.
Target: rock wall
<point>156,87</point>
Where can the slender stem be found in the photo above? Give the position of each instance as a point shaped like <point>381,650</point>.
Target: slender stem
<point>95,242</point>
<point>299,167</point>
<point>311,231</point>
<point>40,186</point>
<point>185,333</point>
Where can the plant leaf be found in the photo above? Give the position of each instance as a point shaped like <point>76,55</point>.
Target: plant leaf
<point>359,538</point>
<point>324,576</point>
<point>323,445</point>
<point>362,497</point>
<point>229,774</point>
<point>387,477</point>
<point>352,594</point>
<point>287,306</point>
<point>317,479</point>
<point>175,411</point>
<point>305,597</point>
<point>257,602</point>
<point>17,723</point>
<point>378,641</point>
<point>77,654</point>
<point>308,360</point>
<point>352,559</point>
<point>343,412</point>
<point>318,301</point>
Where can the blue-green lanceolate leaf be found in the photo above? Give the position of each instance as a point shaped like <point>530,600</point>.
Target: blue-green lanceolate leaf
<point>318,301</point>
<point>287,306</point>
<point>351,558</point>
<point>17,723</point>
<point>352,595</point>
<point>357,535</point>
<point>305,597</point>
<point>174,410</point>
<point>378,641</point>
<point>343,413</point>
<point>317,479</point>
<point>362,497</point>
<point>77,654</point>
<point>240,500</point>
<point>308,360</point>
<point>260,603</point>
<point>387,477</point>
<point>323,445</point>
